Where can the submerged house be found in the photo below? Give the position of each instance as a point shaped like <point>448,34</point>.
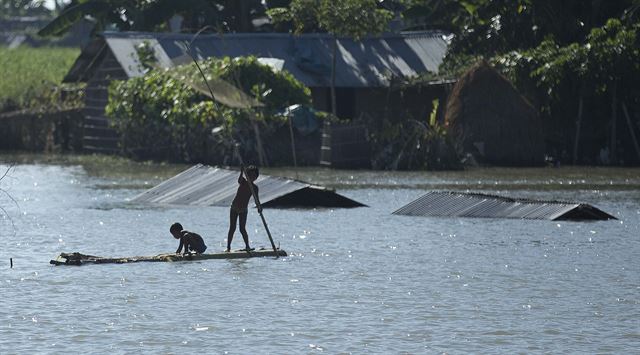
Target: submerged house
<point>365,70</point>
<point>479,205</point>
<point>203,185</point>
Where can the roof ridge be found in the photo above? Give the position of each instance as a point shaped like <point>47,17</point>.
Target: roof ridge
<point>505,198</point>
<point>174,35</point>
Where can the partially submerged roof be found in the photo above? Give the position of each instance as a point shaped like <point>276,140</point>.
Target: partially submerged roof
<point>203,185</point>
<point>370,62</point>
<point>461,204</point>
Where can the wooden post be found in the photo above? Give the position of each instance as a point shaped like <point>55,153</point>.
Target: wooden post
<point>387,108</point>
<point>578,124</point>
<point>325,147</point>
<point>631,129</point>
<point>333,75</point>
<point>293,143</point>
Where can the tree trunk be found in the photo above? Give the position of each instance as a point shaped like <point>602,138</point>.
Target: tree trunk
<point>334,52</point>
<point>614,128</point>
<point>578,126</point>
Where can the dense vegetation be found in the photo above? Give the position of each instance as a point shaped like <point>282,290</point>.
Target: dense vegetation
<point>163,114</point>
<point>31,77</point>
<point>575,60</point>
<point>154,15</point>
<point>12,8</point>
<point>585,86</point>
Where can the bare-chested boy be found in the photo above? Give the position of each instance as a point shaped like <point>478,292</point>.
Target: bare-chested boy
<point>189,240</point>
<point>239,206</point>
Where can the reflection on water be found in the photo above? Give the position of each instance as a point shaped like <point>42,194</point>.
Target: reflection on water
<point>357,280</point>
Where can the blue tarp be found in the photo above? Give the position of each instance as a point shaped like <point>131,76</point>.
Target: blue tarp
<point>303,118</point>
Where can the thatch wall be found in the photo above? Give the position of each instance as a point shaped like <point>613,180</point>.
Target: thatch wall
<point>490,119</point>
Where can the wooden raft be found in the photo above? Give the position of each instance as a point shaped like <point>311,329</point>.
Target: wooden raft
<point>81,259</point>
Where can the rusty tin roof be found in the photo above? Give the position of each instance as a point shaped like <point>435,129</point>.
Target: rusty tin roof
<point>465,204</point>
<point>203,185</point>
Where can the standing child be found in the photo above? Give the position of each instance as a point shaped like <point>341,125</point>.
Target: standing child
<point>240,204</point>
<point>191,241</point>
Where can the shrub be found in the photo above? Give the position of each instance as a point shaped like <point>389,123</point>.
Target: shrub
<point>161,116</point>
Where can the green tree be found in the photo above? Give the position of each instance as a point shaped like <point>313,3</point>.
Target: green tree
<point>605,67</point>
<point>14,8</point>
<point>491,27</point>
<point>152,15</point>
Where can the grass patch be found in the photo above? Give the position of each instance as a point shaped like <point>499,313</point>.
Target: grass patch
<point>29,74</point>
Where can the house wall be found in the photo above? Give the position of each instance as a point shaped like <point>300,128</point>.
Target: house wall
<point>98,136</point>
<point>392,104</point>
<point>321,99</point>
<point>381,103</point>
<point>347,145</point>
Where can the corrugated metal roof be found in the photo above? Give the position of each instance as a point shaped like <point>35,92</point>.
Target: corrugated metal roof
<point>462,204</point>
<point>365,63</point>
<point>203,185</point>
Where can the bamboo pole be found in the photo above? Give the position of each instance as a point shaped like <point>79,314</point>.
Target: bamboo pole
<point>334,52</point>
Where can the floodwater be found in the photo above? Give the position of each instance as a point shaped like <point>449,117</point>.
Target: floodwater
<point>356,281</point>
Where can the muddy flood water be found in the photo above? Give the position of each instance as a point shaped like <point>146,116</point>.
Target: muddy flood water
<point>356,280</point>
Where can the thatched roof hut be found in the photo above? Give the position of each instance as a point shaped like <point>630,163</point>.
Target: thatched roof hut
<point>490,119</point>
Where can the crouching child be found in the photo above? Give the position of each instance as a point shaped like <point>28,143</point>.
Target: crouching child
<point>192,242</point>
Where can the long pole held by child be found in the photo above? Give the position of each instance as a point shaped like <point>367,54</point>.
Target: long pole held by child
<point>253,193</point>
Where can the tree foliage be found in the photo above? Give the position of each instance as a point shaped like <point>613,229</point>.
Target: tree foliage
<point>555,52</point>
<point>555,76</point>
<point>350,18</point>
<point>171,120</point>
<point>153,15</point>
<point>490,27</point>
<point>353,18</point>
<point>16,8</point>
<point>609,54</point>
